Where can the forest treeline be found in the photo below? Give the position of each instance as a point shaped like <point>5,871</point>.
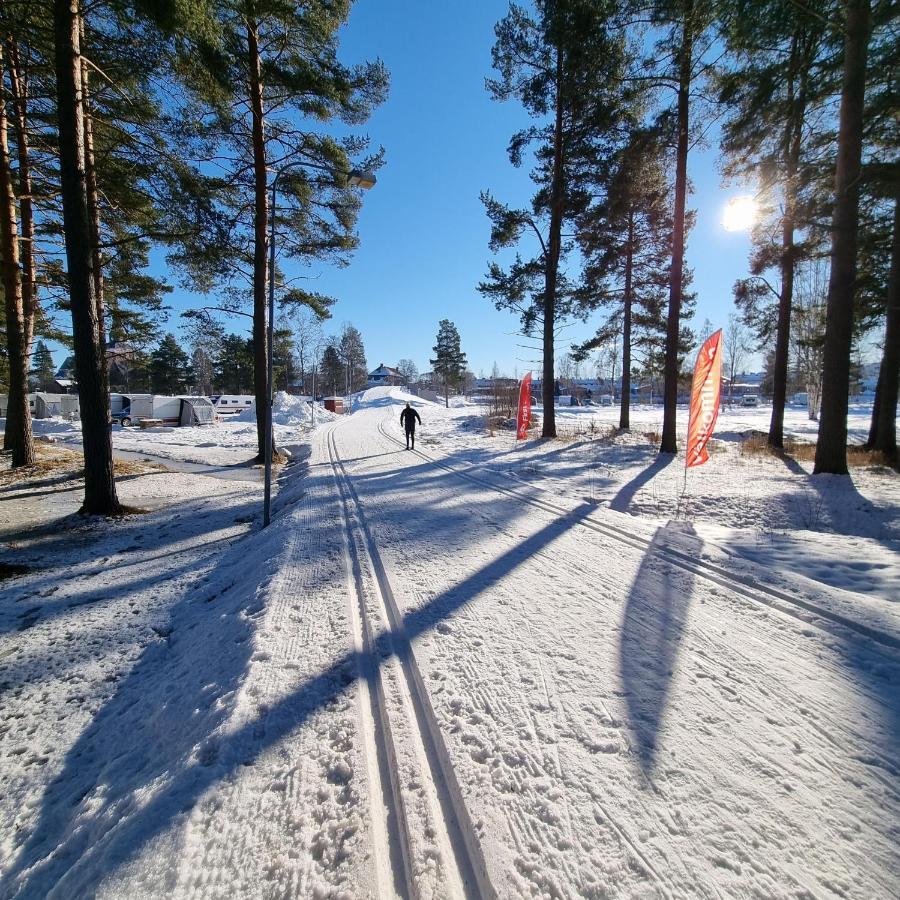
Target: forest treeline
<point>619,93</point>
<point>136,126</point>
<point>131,127</point>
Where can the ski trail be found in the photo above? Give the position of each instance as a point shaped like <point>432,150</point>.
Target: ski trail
<point>745,586</point>
<point>432,805</point>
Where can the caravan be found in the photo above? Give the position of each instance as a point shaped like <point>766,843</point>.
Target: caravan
<point>133,409</point>
<point>229,404</point>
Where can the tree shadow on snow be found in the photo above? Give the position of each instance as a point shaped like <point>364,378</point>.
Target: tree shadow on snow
<point>627,492</point>
<point>158,743</point>
<point>650,642</point>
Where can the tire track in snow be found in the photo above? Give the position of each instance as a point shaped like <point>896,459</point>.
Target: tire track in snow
<point>745,586</point>
<point>405,712</point>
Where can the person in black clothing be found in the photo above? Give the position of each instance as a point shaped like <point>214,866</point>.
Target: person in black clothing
<point>408,421</point>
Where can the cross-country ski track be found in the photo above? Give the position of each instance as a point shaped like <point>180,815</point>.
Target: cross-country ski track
<point>433,679</point>
<point>546,801</point>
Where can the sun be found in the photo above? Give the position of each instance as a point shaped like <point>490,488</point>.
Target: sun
<point>740,214</point>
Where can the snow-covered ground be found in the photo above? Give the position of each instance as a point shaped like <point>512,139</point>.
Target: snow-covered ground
<point>547,669</point>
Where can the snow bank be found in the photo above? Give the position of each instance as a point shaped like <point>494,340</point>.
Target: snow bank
<point>290,411</point>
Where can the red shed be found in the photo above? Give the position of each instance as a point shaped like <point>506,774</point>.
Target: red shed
<point>335,405</point>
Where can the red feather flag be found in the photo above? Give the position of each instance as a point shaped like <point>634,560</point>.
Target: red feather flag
<point>704,399</point>
<point>523,418</point>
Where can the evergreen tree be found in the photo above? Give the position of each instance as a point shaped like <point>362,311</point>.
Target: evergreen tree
<point>564,65</point>
<point>93,390</point>
<point>677,60</point>
<point>353,358</point>
<point>449,361</point>
<point>274,73</point>
<point>233,373</point>
<point>831,446</point>
<point>42,370</point>
<point>170,368</point>
<point>283,358</point>
<point>624,236</point>
<point>773,94</point>
<point>332,370</point>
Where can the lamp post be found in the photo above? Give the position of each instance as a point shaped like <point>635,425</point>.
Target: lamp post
<point>355,178</point>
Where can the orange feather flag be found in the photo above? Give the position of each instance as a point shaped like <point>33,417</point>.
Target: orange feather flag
<point>524,415</point>
<point>704,399</point>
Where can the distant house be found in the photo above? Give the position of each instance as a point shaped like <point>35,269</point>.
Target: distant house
<point>385,375</point>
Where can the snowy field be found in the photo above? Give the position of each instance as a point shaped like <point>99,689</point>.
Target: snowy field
<point>478,669</point>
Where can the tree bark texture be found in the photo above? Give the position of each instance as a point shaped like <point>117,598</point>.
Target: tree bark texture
<point>90,359</point>
<point>18,90</point>
<point>93,195</point>
<point>261,388</point>
<point>793,137</point>
<point>831,447</point>
<point>17,433</point>
<point>625,400</point>
<point>884,419</point>
<point>551,270</point>
<point>668,444</point>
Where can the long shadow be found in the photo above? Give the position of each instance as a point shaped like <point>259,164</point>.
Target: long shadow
<point>649,645</point>
<point>835,496</point>
<point>138,739</point>
<point>627,492</point>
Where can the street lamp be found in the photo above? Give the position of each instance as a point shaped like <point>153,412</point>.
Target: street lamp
<point>355,178</point>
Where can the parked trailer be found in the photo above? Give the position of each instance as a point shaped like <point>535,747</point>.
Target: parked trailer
<point>132,409</point>
<point>228,404</point>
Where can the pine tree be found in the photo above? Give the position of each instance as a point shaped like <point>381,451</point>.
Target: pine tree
<point>333,371</point>
<point>353,358</point>
<point>449,361</point>
<point>624,236</point>
<point>831,446</point>
<point>685,23</point>
<point>275,72</point>
<point>563,64</point>
<point>170,368</point>
<point>233,373</point>
<point>93,391</point>
<point>42,370</point>
<point>772,94</point>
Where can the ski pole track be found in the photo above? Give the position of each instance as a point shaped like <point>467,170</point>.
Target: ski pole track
<point>745,586</point>
<point>700,568</point>
<point>808,708</point>
<point>300,792</point>
<point>389,821</point>
<point>441,814</point>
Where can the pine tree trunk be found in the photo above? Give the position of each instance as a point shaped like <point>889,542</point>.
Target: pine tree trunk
<point>551,268</point>
<point>26,204</point>
<point>17,433</point>
<point>884,418</point>
<point>93,198</point>
<point>668,444</point>
<point>831,447</point>
<point>99,484</point>
<point>625,400</point>
<point>261,388</point>
<point>792,138</point>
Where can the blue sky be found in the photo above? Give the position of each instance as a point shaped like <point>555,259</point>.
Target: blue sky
<point>423,230</point>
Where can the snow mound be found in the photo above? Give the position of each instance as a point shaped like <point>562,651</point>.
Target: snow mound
<point>288,410</point>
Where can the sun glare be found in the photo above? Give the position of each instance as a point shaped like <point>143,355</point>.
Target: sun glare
<point>740,214</point>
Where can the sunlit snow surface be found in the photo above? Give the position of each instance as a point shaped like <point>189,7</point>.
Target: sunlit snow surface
<point>182,714</point>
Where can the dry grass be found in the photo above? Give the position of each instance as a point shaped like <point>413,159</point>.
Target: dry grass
<point>64,464</point>
<point>803,451</point>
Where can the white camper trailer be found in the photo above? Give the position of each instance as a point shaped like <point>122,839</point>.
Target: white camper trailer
<point>132,409</point>
<point>229,404</point>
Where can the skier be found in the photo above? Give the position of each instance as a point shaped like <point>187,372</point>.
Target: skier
<point>408,421</point>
